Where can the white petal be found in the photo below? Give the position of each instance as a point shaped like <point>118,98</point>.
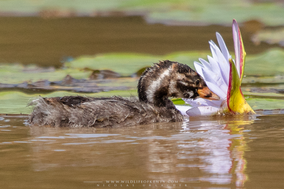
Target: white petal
<point>224,66</point>
<point>213,47</point>
<point>203,102</point>
<point>205,64</point>
<point>214,65</point>
<point>217,76</point>
<point>212,85</point>
<point>183,109</point>
<point>196,102</point>
<point>198,68</point>
<point>202,111</point>
<point>222,62</point>
<point>223,46</point>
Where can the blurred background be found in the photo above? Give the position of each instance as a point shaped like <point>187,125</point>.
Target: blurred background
<point>47,32</point>
<point>92,46</point>
<point>100,48</point>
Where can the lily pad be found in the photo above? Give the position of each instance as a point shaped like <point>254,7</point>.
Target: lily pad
<point>265,95</point>
<point>263,80</point>
<point>15,102</point>
<point>265,103</point>
<point>166,11</point>
<point>196,12</point>
<point>17,73</point>
<point>268,63</point>
<point>127,64</point>
<point>178,101</point>
<point>122,63</point>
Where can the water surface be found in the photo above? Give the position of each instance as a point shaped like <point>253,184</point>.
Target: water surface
<point>48,42</point>
<point>226,153</point>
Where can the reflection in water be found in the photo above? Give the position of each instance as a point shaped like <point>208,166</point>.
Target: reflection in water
<point>182,154</point>
<point>193,154</point>
<point>206,151</point>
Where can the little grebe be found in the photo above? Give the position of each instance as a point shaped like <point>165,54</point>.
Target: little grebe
<point>157,83</point>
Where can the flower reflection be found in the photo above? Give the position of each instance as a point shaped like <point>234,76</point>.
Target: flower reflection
<point>193,153</point>
<point>224,149</point>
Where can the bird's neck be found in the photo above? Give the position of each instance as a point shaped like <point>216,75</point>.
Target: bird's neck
<point>154,88</point>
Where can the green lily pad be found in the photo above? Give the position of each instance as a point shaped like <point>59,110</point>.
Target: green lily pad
<point>17,73</point>
<point>263,80</point>
<point>123,63</point>
<point>15,102</point>
<point>30,6</point>
<point>266,64</point>
<point>127,64</point>
<point>265,95</point>
<point>178,101</point>
<point>265,103</point>
<point>195,12</point>
<point>166,11</point>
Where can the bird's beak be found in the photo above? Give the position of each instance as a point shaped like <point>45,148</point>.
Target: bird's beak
<point>206,93</point>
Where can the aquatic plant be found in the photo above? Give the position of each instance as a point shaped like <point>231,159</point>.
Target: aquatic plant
<point>223,76</point>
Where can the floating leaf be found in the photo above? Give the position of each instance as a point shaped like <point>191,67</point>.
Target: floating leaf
<point>266,64</point>
<point>16,73</point>
<point>118,62</point>
<point>15,102</point>
<point>166,11</point>
<point>265,103</point>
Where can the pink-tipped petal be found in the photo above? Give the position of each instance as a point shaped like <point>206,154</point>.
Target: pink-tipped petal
<point>239,49</point>
<point>235,30</point>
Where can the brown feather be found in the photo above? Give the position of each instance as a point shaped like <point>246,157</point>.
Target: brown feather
<point>159,82</point>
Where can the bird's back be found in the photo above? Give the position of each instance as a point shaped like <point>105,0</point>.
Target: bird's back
<point>78,111</point>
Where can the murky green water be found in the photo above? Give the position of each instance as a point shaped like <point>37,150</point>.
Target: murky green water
<point>240,153</point>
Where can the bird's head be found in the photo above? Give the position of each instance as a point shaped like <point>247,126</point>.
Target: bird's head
<point>172,79</point>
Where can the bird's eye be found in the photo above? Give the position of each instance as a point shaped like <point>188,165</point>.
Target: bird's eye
<point>197,82</point>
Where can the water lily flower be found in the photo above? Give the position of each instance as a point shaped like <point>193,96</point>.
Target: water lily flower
<point>223,76</point>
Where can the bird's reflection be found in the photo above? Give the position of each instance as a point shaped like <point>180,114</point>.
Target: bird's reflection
<point>190,153</point>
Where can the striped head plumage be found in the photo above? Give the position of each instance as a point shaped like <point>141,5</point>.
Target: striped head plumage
<point>171,79</point>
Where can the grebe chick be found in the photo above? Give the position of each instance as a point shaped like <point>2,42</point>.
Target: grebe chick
<point>157,83</point>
